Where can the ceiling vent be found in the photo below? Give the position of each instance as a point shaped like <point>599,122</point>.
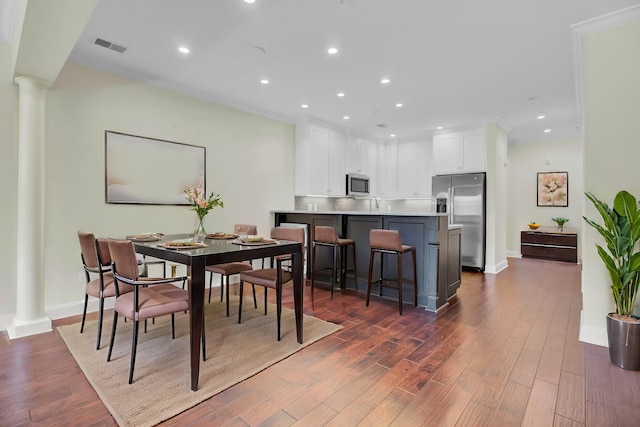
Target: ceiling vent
<point>109,45</point>
<point>381,125</point>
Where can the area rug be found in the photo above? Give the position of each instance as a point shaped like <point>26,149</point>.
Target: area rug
<point>161,383</point>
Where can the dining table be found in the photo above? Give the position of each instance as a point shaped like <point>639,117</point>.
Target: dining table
<point>219,251</point>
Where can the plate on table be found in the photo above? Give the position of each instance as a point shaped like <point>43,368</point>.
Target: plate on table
<point>146,237</point>
<point>222,236</point>
<point>254,241</point>
<point>182,244</point>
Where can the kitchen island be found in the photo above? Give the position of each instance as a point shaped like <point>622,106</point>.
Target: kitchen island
<point>437,249</point>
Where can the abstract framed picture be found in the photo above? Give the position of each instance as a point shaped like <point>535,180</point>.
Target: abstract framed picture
<point>149,171</point>
<point>553,189</point>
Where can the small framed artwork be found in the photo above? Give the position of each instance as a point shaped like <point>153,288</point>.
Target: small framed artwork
<point>553,189</point>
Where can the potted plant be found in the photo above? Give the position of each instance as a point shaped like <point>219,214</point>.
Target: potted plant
<point>621,232</point>
<point>560,221</point>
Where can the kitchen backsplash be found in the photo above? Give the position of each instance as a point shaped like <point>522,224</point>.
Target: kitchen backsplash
<point>360,204</point>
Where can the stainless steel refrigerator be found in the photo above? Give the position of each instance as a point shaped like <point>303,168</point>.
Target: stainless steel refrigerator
<point>465,196</point>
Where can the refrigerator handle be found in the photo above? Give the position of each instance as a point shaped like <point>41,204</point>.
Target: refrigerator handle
<point>453,194</point>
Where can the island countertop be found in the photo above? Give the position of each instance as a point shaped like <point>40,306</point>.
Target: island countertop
<point>371,213</point>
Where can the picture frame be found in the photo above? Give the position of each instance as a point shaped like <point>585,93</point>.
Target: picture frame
<point>149,171</point>
<point>553,189</point>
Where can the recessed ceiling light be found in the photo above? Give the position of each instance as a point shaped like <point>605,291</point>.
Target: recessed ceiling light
<point>340,94</point>
<point>264,81</point>
<point>540,117</point>
<point>305,105</point>
<point>250,1</point>
<point>184,49</point>
<point>393,135</point>
<point>439,127</point>
<point>547,130</point>
<point>399,104</point>
<point>345,117</point>
<point>385,81</point>
<point>332,51</point>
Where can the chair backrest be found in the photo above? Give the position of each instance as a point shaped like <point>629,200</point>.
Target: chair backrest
<point>104,255</point>
<point>295,234</point>
<point>325,234</point>
<point>124,259</point>
<point>248,229</point>
<point>385,239</point>
<point>88,249</point>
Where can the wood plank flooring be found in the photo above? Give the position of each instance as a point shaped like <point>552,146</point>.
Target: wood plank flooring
<point>506,353</point>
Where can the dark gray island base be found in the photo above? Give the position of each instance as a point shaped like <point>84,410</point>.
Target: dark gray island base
<point>437,251</point>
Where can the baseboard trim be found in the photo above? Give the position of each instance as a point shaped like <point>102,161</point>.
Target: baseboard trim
<point>592,335</point>
<point>17,329</point>
<point>496,268</point>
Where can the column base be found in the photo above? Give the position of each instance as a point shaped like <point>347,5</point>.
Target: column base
<point>18,329</point>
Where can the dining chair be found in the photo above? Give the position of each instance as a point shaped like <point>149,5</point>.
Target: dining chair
<point>273,278</point>
<point>232,268</point>
<point>96,262</point>
<point>389,242</point>
<point>150,297</point>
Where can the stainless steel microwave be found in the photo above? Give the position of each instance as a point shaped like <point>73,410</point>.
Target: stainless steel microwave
<point>357,185</point>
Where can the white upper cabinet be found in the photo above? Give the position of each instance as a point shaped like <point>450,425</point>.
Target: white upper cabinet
<point>320,167</point>
<point>460,152</point>
<point>363,159</point>
<point>388,170</point>
<point>414,169</point>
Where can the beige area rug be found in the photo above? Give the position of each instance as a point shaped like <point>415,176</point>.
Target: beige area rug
<point>161,383</point>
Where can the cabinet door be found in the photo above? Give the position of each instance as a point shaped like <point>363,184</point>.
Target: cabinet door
<point>372,167</point>
<point>336,165</point>
<point>357,156</point>
<point>474,151</point>
<point>317,161</point>
<point>388,170</point>
<point>446,154</point>
<point>413,170</point>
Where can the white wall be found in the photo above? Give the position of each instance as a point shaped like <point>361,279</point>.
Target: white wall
<point>611,150</point>
<point>525,161</point>
<point>8,183</point>
<point>249,162</point>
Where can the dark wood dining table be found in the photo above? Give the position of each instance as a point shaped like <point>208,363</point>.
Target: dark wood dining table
<point>218,252</point>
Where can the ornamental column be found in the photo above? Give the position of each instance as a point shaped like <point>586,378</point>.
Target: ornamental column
<point>30,316</point>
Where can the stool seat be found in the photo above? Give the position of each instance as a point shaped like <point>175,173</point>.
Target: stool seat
<point>389,242</point>
<point>327,236</point>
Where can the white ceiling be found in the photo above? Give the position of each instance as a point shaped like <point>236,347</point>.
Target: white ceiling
<point>451,63</point>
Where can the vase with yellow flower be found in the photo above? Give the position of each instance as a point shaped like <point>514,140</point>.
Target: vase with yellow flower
<point>201,204</point>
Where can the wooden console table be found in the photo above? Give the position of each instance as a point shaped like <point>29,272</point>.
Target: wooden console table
<point>549,243</point>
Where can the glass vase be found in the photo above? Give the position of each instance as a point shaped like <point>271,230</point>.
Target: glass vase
<point>199,233</point>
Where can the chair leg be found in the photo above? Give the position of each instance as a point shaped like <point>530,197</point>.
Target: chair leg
<point>313,272</point>
<point>265,301</point>
<point>84,312</point>
<point>334,271</point>
<point>221,287</point>
<point>113,334</point>
<point>278,304</point>
<point>255,302</point>
<point>240,302</point>
<point>415,279</point>
<point>355,273</point>
<point>204,341</point>
<point>399,256</point>
<point>100,312</point>
<point>222,280</point>
<point>173,326</point>
<point>211,285</point>
<point>134,347</point>
<point>371,258</point>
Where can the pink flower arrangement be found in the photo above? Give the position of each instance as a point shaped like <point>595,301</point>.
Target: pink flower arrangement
<point>553,188</point>
<point>200,202</point>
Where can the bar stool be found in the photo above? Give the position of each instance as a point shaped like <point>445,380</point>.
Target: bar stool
<point>389,242</point>
<point>327,236</point>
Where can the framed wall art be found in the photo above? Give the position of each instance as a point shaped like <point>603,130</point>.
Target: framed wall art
<point>553,189</point>
<point>149,171</point>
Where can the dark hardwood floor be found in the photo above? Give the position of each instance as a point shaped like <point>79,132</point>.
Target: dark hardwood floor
<point>505,353</point>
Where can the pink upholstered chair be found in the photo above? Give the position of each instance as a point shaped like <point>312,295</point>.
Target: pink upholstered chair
<point>150,297</point>
<point>328,237</point>
<point>96,262</point>
<point>273,278</point>
<point>231,268</point>
<point>389,242</point>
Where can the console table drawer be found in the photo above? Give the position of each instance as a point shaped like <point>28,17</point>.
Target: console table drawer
<point>549,245</point>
